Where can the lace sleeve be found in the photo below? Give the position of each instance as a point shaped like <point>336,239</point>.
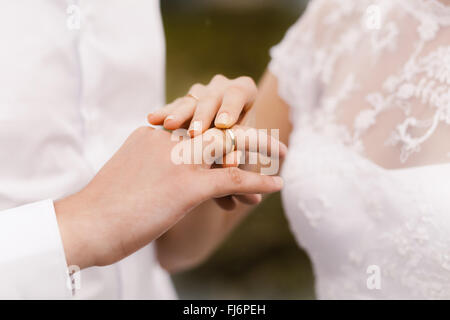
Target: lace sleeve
<point>293,60</point>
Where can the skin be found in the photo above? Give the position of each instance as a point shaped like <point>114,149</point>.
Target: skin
<point>199,233</point>
<point>140,193</point>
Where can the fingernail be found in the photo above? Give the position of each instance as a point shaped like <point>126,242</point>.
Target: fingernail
<point>223,120</point>
<point>193,132</point>
<point>278,181</point>
<point>169,118</point>
<point>195,128</point>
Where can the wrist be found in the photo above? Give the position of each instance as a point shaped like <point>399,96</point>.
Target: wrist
<point>71,216</point>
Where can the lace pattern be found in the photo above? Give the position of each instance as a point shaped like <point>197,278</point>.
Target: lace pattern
<point>308,60</point>
<point>370,87</point>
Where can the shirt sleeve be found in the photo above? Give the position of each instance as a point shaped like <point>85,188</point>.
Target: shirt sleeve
<point>32,259</point>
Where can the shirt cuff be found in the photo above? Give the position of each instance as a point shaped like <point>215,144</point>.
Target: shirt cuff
<point>32,259</point>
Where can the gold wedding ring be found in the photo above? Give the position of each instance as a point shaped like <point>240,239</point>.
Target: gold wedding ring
<point>190,95</point>
<point>230,133</point>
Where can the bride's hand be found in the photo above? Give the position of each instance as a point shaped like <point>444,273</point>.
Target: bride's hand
<point>223,101</point>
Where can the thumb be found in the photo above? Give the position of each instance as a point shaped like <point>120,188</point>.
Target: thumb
<point>236,181</point>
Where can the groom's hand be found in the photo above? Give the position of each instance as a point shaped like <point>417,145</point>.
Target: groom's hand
<point>139,194</point>
<point>222,102</point>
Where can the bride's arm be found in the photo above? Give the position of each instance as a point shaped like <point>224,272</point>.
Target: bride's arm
<point>271,112</point>
<point>195,237</point>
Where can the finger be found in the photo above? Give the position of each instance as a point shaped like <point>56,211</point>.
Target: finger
<point>158,117</point>
<point>204,114</point>
<point>226,203</point>
<point>232,105</point>
<point>217,148</point>
<point>182,112</point>
<point>229,181</point>
<point>250,199</point>
<point>215,144</point>
<point>208,105</point>
<point>205,149</point>
<point>237,98</point>
<point>197,91</point>
<point>185,111</point>
<point>232,159</point>
<point>258,140</point>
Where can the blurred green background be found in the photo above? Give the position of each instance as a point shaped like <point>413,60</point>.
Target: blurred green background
<point>260,260</point>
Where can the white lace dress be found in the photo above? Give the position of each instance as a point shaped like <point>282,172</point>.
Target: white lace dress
<point>367,178</point>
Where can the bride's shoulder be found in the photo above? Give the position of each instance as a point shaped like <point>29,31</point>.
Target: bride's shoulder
<point>332,11</point>
<point>323,20</point>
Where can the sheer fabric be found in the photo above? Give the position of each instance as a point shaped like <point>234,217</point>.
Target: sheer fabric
<point>368,173</point>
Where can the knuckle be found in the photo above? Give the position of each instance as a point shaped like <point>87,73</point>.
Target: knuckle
<point>208,101</point>
<point>199,112</point>
<point>247,81</point>
<point>196,87</point>
<point>236,89</point>
<point>142,130</point>
<point>235,175</point>
<point>142,133</point>
<point>214,135</point>
<point>185,100</point>
<point>211,95</point>
<point>176,101</point>
<point>219,78</point>
<point>266,182</point>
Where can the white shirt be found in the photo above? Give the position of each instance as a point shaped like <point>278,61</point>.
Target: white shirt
<point>69,97</point>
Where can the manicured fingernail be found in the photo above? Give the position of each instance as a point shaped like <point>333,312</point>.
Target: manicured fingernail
<point>169,118</point>
<point>193,132</point>
<point>223,120</point>
<point>195,128</point>
<point>154,118</point>
<point>278,181</point>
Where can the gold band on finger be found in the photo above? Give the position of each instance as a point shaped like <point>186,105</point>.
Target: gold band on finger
<point>232,136</point>
<point>193,96</point>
